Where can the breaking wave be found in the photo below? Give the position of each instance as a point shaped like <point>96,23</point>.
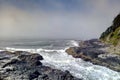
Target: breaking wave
<point>59,59</point>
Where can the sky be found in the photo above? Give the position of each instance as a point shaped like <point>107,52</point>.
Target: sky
<point>56,19</point>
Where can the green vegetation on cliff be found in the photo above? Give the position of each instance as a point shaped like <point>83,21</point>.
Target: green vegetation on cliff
<point>112,34</point>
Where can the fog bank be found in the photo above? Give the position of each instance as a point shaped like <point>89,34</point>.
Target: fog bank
<point>63,19</point>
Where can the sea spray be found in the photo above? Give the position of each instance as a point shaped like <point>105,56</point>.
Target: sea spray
<point>57,58</point>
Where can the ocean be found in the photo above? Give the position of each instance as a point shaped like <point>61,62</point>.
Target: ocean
<point>53,52</point>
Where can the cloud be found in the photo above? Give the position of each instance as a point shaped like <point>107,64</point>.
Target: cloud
<point>80,19</point>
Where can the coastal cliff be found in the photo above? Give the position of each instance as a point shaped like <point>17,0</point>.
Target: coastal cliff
<point>112,34</point>
<point>104,51</point>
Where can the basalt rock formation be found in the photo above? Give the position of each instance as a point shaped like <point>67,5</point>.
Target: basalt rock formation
<point>21,65</point>
<point>95,52</point>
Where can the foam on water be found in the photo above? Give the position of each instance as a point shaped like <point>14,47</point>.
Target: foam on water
<point>74,43</point>
<point>59,59</point>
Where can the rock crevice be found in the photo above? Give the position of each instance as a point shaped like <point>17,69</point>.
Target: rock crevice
<point>27,66</point>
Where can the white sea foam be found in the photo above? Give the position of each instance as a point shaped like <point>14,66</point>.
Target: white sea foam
<point>74,43</point>
<point>59,59</point>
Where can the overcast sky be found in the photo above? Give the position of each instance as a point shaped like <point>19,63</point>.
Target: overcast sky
<point>64,19</point>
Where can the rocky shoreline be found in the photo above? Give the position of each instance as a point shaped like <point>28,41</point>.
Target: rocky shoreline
<point>97,53</point>
<point>21,65</point>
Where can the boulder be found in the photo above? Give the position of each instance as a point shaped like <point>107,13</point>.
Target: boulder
<point>29,67</point>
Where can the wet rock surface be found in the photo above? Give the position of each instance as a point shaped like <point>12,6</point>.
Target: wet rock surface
<point>91,50</point>
<point>27,66</point>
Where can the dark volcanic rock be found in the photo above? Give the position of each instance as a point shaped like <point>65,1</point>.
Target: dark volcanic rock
<point>89,48</point>
<point>90,51</point>
<point>32,60</point>
<point>29,67</point>
<point>31,57</point>
<point>34,75</point>
<point>17,53</point>
<point>13,61</point>
<point>6,55</point>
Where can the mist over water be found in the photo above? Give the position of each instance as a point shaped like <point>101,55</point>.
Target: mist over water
<point>38,43</point>
<point>48,27</point>
<point>53,52</point>
<point>56,19</point>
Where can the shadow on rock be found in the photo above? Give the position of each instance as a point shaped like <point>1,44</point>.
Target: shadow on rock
<point>29,67</point>
<point>90,50</point>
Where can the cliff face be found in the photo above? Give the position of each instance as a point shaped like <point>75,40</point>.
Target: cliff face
<point>112,34</point>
